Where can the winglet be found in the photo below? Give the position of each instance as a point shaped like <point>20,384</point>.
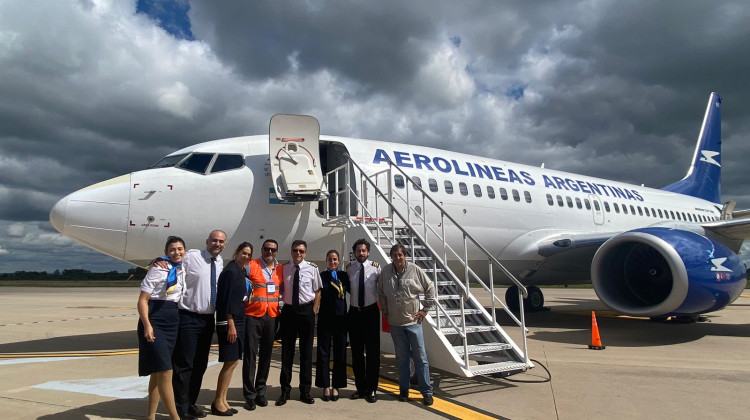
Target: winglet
<point>703,179</point>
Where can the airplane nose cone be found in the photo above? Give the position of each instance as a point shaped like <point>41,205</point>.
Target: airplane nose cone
<point>96,216</point>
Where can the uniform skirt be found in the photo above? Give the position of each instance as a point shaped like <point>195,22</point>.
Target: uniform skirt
<point>157,356</point>
<point>229,352</point>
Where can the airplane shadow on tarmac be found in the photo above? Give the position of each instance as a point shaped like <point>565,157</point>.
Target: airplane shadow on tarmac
<point>571,324</point>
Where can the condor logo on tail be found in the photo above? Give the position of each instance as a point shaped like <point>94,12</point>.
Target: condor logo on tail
<point>708,157</point>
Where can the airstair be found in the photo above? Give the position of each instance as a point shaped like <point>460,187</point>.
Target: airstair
<point>461,335</point>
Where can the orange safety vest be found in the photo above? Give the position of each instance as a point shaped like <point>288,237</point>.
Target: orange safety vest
<point>259,302</point>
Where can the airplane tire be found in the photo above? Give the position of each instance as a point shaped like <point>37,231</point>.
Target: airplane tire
<point>535,301</point>
<point>511,298</point>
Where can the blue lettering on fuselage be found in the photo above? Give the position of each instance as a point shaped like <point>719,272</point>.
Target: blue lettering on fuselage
<point>510,175</point>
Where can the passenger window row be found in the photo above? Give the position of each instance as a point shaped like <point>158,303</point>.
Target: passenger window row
<point>463,189</point>
<point>626,209</point>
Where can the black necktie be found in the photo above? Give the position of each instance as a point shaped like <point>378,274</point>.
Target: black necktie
<point>213,281</point>
<point>295,287</point>
<point>362,287</point>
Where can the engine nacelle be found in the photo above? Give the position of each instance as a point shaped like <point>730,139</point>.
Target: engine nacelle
<point>662,271</point>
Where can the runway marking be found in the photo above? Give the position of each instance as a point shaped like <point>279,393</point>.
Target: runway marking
<point>745,295</point>
<point>35,360</point>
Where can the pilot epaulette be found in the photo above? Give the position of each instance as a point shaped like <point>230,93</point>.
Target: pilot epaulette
<point>313,264</point>
<point>375,264</point>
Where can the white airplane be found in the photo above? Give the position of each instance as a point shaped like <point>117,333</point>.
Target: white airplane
<point>648,252</point>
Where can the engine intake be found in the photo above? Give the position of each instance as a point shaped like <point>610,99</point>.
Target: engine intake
<point>661,271</point>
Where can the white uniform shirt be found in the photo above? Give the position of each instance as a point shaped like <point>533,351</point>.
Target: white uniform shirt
<point>197,294</point>
<point>372,271</point>
<point>155,283</point>
<point>309,282</point>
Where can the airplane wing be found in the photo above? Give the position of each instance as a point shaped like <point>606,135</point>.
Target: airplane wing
<point>734,229</point>
<point>567,258</point>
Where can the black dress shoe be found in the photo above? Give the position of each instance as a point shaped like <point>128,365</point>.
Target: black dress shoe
<point>307,399</point>
<point>371,398</point>
<point>403,396</point>
<point>335,397</point>
<point>249,405</point>
<point>325,397</point>
<point>196,411</point>
<point>261,400</point>
<point>282,399</point>
<point>355,396</point>
<point>215,411</point>
<point>428,400</point>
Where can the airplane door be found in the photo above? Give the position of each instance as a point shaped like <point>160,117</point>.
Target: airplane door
<point>597,209</point>
<point>295,161</point>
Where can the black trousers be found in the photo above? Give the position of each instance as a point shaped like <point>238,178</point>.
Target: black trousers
<point>364,337</point>
<point>331,328</point>
<point>297,322</point>
<point>190,357</point>
<point>259,335</point>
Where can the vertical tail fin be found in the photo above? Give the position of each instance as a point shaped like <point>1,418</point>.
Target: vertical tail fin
<point>703,179</point>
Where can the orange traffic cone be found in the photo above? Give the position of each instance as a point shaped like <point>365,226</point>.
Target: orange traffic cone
<point>596,341</point>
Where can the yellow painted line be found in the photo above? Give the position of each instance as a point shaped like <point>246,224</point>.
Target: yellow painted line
<point>439,404</point>
<point>745,295</point>
<point>35,355</point>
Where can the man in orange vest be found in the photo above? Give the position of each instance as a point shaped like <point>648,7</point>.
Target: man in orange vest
<point>264,279</point>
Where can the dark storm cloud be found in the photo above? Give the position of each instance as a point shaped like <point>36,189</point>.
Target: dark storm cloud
<point>94,89</point>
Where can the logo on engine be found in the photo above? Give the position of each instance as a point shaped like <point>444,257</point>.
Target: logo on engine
<point>708,157</point>
<point>717,262</point>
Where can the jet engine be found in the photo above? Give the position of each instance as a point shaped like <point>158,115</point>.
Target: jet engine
<point>662,272</point>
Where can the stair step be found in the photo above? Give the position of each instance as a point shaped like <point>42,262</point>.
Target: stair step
<point>457,312</point>
<point>498,367</point>
<point>446,283</point>
<point>448,297</point>
<point>483,348</point>
<point>433,270</point>
<point>469,329</point>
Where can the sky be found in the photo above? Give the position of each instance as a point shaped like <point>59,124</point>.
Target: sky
<point>93,89</point>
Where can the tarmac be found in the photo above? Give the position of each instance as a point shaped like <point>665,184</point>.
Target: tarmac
<point>71,353</point>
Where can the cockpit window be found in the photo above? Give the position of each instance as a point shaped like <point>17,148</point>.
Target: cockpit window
<point>197,162</point>
<point>169,161</point>
<point>227,162</point>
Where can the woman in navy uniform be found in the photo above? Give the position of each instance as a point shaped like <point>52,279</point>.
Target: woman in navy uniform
<point>230,323</point>
<point>159,321</point>
<point>332,327</point>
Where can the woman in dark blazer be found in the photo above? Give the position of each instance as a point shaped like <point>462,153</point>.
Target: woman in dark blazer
<point>230,323</point>
<point>332,327</point>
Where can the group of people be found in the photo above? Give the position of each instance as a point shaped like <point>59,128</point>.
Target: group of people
<point>186,296</point>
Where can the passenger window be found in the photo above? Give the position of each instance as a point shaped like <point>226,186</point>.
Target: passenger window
<point>632,210</point>
<point>399,180</point>
<point>578,203</point>
<point>640,211</point>
<point>684,217</point>
<point>550,200</point>
<point>490,192</point>
<point>227,163</point>
<point>448,187</point>
<point>560,201</point>
<point>617,208</point>
<point>569,201</point>
<point>625,208</point>
<point>606,206</point>
<point>587,203</point>
<point>197,162</point>
<point>527,196</point>
<point>516,196</point>
<point>671,212</point>
<point>433,184</point>
<point>661,216</point>
<point>653,212</point>
<point>417,180</point>
<point>477,190</point>
<point>596,206</point>
<point>463,188</point>
<point>169,161</point>
<point>503,194</point>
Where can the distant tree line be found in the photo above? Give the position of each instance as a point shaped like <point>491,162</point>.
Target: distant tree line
<point>75,274</point>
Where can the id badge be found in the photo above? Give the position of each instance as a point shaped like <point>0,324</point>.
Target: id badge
<point>270,288</point>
